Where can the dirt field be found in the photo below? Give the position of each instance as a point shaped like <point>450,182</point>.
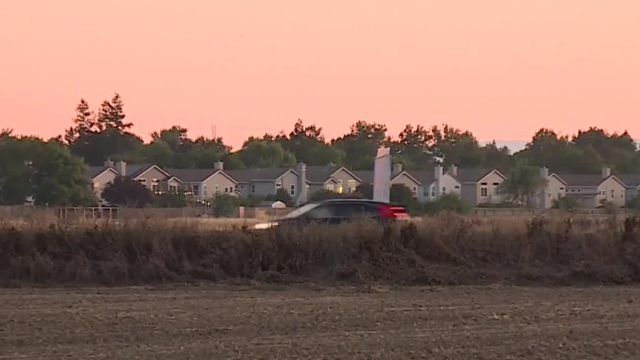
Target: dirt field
<point>314,323</point>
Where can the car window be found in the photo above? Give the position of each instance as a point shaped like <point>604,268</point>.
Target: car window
<point>323,212</point>
<point>356,211</point>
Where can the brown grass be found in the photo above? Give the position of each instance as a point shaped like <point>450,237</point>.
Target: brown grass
<point>443,250</point>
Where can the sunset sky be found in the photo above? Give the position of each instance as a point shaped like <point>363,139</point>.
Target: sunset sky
<point>500,68</point>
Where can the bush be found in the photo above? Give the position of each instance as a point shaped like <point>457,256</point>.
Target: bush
<point>169,200</point>
<point>448,203</point>
<point>225,205</point>
<point>281,195</point>
<point>441,250</point>
<point>566,203</point>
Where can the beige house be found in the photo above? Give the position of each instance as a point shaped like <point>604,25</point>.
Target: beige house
<point>265,181</point>
<point>632,183</point>
<point>554,189</point>
<point>592,190</point>
<point>101,177</point>
<point>479,186</point>
<point>203,183</point>
<point>426,185</point>
<point>332,178</point>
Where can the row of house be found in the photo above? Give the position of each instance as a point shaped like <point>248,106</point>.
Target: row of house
<point>475,186</point>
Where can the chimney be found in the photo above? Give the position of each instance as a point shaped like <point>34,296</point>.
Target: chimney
<point>544,172</point>
<point>397,169</point>
<point>121,168</point>
<point>108,163</point>
<point>453,170</point>
<point>606,172</point>
<point>301,197</point>
<point>218,165</point>
<point>437,172</point>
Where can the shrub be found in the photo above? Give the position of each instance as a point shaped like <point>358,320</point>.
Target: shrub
<point>443,250</point>
<point>281,195</point>
<point>566,203</point>
<point>225,205</point>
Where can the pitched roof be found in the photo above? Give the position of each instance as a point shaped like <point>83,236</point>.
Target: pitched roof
<point>97,170</point>
<point>471,175</point>
<point>134,170</point>
<point>424,177</point>
<point>630,180</point>
<point>262,174</point>
<point>582,179</point>
<point>195,175</point>
<point>320,174</point>
<point>366,176</point>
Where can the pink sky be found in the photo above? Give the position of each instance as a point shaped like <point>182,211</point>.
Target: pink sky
<point>500,68</point>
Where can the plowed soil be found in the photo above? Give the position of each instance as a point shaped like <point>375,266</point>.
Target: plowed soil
<point>215,322</point>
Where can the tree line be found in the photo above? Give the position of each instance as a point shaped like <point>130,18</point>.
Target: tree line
<point>33,166</point>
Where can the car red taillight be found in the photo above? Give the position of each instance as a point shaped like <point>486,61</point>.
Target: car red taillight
<point>393,212</point>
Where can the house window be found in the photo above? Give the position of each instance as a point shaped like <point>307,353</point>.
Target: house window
<point>155,187</point>
<point>484,192</point>
<point>216,189</point>
<point>293,189</point>
<point>433,191</point>
<point>444,190</point>
<point>457,187</point>
<point>196,190</point>
<point>495,188</point>
<point>226,189</point>
<point>329,187</point>
<point>278,185</point>
<point>173,189</point>
<point>561,188</point>
<point>351,184</point>
<point>204,190</point>
<point>613,193</point>
<point>142,181</point>
<point>253,189</point>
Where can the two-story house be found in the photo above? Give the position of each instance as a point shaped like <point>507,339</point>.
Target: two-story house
<point>203,183</point>
<point>632,184</point>
<point>554,188</point>
<point>592,190</point>
<point>332,178</point>
<point>479,186</point>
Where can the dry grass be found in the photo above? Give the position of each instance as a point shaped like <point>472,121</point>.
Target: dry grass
<point>443,250</point>
<point>277,322</point>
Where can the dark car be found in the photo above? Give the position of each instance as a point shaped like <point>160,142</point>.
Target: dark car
<point>334,212</point>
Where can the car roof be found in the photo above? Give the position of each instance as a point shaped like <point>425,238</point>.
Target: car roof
<point>356,201</point>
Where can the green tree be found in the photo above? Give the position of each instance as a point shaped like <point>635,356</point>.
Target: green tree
<point>225,205</point>
<point>366,190</point>
<point>523,182</point>
<point>280,195</point>
<point>413,148</point>
<point>264,154</point>
<point>15,170</point>
<point>59,178</point>
<point>361,144</point>
<point>45,171</point>
<point>127,192</point>
<point>453,146</point>
<point>308,145</point>
<point>107,136</point>
<point>401,194</point>
<point>169,200</point>
<point>559,154</point>
<point>566,203</point>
